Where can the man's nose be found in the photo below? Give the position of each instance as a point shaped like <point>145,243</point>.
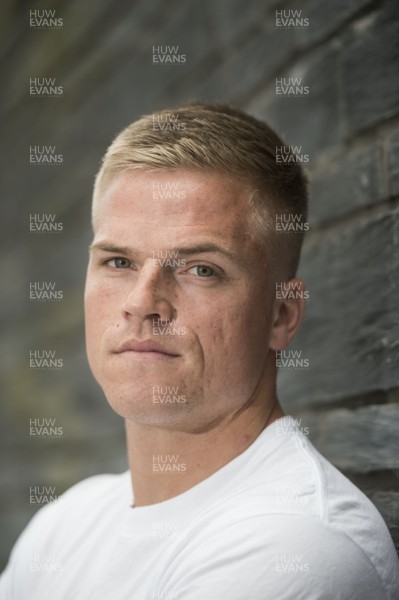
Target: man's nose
<point>148,296</point>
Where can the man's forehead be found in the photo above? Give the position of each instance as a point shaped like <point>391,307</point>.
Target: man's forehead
<point>176,198</point>
<point>178,185</point>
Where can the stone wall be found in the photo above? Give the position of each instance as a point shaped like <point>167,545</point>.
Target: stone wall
<point>346,128</point>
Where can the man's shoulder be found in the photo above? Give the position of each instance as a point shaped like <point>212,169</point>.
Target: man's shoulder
<point>290,556</point>
<point>285,474</point>
<point>76,509</point>
<point>92,493</point>
<point>106,483</point>
<point>58,530</point>
<point>296,512</point>
<point>296,479</point>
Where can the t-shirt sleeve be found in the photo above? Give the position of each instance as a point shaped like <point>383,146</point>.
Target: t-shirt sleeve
<point>274,558</point>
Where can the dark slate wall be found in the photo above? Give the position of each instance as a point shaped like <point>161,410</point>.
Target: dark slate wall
<point>348,125</point>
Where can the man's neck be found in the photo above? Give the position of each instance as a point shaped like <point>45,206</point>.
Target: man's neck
<point>165,463</point>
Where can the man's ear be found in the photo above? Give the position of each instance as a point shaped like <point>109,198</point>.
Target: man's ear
<point>288,312</point>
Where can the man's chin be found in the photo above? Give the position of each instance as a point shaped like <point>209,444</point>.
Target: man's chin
<point>144,413</point>
<point>152,403</point>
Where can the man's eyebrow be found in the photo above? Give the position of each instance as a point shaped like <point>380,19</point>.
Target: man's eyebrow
<point>184,250</point>
<point>109,247</point>
<point>202,248</point>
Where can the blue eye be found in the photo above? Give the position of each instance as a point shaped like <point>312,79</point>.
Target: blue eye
<point>204,271</point>
<point>120,263</point>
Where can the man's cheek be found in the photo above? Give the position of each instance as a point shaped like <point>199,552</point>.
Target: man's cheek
<point>94,326</point>
<point>90,316</point>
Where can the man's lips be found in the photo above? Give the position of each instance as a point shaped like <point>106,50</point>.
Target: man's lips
<point>145,347</point>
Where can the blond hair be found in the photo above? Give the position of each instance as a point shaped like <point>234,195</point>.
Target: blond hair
<point>217,138</point>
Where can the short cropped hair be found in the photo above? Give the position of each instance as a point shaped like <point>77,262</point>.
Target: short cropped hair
<point>219,139</point>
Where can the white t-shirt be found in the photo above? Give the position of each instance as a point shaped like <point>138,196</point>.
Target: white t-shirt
<point>278,522</point>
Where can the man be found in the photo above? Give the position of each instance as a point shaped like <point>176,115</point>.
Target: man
<point>225,498</point>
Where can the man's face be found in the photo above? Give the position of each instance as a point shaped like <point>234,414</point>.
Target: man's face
<point>178,299</point>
